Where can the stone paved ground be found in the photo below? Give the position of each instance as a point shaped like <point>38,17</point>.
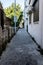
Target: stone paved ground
<point>21,51</point>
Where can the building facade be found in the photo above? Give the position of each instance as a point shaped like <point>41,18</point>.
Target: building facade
<point>33,19</point>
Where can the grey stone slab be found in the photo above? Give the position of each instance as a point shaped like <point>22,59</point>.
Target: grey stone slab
<point>21,51</point>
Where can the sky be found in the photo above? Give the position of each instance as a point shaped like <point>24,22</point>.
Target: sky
<point>7,3</point>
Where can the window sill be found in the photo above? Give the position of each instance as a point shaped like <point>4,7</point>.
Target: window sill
<point>37,22</point>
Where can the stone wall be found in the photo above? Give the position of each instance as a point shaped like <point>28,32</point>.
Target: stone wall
<point>5,36</point>
<point>0,39</point>
<point>6,30</point>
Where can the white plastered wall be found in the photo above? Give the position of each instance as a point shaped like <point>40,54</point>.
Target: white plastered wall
<point>36,29</point>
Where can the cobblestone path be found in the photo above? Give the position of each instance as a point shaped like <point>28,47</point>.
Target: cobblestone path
<point>21,51</point>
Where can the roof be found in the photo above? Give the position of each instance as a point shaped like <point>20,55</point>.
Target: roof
<point>8,19</point>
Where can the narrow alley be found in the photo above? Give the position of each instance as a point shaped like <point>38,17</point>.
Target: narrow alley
<point>21,51</point>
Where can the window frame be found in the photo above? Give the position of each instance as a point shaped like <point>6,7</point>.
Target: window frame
<point>35,19</point>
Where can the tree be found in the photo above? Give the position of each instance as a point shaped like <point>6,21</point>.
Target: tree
<point>10,12</point>
<point>19,19</point>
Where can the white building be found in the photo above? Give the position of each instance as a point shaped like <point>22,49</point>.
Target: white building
<point>33,18</point>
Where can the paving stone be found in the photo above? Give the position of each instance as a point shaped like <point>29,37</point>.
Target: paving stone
<point>21,51</point>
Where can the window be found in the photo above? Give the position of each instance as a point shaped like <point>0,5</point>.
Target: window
<point>26,6</point>
<point>26,18</point>
<point>36,12</point>
<point>30,19</point>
